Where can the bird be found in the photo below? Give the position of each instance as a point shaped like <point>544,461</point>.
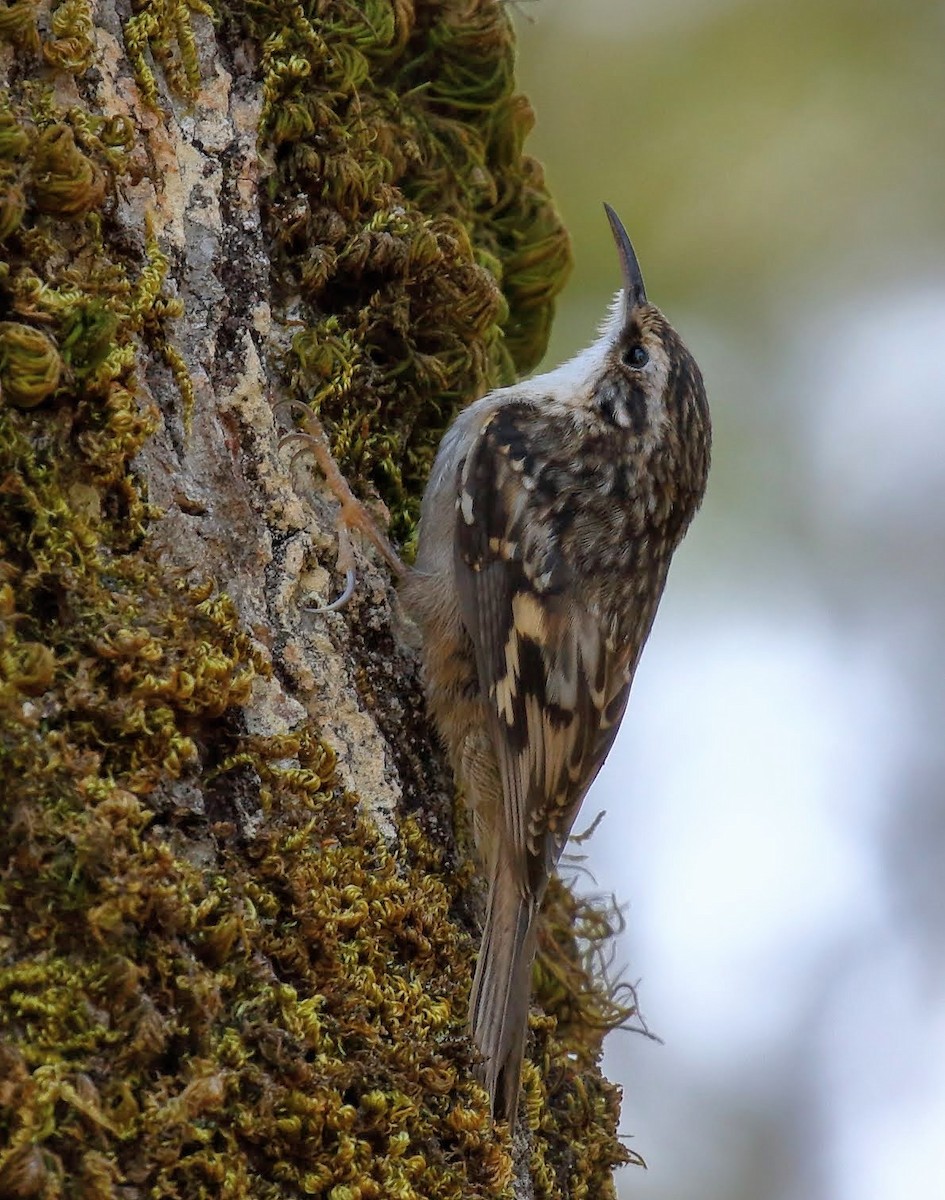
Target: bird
<point>547,527</point>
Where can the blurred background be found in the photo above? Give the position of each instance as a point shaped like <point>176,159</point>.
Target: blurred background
<point>776,800</point>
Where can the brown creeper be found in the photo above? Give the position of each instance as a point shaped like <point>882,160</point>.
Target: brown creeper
<point>546,532</point>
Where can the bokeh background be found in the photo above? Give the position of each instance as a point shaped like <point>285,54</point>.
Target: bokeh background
<point>776,800</point>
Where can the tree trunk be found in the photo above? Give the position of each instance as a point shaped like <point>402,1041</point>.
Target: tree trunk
<point>236,928</point>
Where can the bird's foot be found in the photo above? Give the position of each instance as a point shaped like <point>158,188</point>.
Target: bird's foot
<point>310,438</point>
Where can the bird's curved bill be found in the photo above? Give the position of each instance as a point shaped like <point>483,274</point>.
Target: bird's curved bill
<point>633,286</point>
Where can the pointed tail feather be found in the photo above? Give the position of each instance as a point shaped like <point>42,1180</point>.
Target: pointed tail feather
<point>498,1006</point>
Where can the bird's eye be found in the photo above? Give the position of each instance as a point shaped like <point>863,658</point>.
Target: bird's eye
<point>635,356</point>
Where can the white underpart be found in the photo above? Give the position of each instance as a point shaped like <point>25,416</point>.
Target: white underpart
<point>575,378</point>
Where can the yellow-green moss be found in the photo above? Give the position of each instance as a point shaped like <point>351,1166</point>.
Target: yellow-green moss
<point>71,46</point>
<point>29,365</point>
<point>282,1022</point>
<point>188,1008</point>
<point>161,31</point>
<point>18,24</point>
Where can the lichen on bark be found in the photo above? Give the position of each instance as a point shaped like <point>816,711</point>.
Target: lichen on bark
<point>232,962</point>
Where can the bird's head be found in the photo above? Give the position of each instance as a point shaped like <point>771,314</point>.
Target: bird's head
<point>651,385</point>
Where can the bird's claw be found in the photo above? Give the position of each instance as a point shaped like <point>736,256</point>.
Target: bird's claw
<point>345,563</point>
<point>351,579</point>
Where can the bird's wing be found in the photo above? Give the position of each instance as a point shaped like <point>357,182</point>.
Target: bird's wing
<point>555,680</point>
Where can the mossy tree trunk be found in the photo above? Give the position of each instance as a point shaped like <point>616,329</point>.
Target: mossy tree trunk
<point>235,927</point>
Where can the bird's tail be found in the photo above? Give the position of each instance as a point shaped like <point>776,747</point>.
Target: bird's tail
<point>498,1006</point>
